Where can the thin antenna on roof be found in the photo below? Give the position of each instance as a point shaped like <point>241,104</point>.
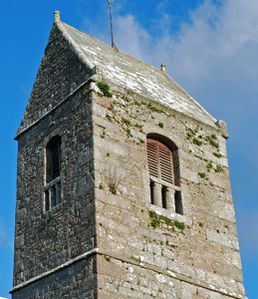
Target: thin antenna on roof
<point>111,23</point>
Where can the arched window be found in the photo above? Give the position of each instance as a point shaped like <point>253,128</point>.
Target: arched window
<point>163,165</point>
<point>53,169</point>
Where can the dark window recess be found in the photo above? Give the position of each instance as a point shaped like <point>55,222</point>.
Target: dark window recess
<point>53,158</point>
<point>47,203</point>
<point>164,197</point>
<point>178,203</point>
<point>152,192</point>
<point>53,164</point>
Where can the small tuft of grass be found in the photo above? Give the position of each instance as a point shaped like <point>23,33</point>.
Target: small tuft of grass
<point>161,125</point>
<point>126,121</point>
<point>128,132</point>
<point>212,142</point>
<point>101,187</point>
<point>219,169</point>
<point>209,166</point>
<point>154,109</point>
<point>109,117</point>
<point>155,220</point>
<point>105,89</point>
<point>202,175</point>
<point>197,141</point>
<point>141,140</point>
<point>217,155</point>
<point>179,225</point>
<point>112,190</point>
<point>138,126</point>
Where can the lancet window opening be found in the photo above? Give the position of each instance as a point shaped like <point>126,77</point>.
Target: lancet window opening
<point>164,178</point>
<point>52,187</point>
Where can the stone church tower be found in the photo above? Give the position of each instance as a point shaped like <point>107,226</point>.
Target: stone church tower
<point>123,183</point>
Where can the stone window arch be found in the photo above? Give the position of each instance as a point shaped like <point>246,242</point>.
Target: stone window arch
<point>53,171</point>
<point>164,173</point>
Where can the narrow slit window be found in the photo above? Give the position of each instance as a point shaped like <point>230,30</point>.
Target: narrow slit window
<point>164,197</point>
<point>152,192</point>
<point>53,169</point>
<point>178,203</point>
<point>47,206</point>
<point>53,158</point>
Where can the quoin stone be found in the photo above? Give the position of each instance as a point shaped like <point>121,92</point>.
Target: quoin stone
<point>123,183</point>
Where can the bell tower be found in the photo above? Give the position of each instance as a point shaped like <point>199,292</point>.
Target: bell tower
<point>123,183</point>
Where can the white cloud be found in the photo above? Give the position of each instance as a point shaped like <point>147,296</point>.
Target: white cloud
<point>213,55</point>
<point>217,50</point>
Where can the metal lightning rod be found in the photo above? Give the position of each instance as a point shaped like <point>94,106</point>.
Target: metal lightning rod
<point>111,23</point>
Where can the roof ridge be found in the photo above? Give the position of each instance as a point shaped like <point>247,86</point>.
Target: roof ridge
<point>77,48</point>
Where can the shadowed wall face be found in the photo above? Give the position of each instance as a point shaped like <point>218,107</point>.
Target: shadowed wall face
<point>48,235</point>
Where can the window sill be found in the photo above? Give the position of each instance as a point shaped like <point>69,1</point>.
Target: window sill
<point>53,210</point>
<point>170,214</point>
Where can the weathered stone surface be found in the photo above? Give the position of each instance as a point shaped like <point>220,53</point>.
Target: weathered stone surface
<point>100,241</point>
<point>76,282</point>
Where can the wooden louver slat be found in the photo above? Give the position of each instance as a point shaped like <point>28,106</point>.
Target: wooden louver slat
<point>152,151</point>
<point>160,161</point>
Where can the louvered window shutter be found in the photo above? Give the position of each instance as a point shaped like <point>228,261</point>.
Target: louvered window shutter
<point>160,161</point>
<point>153,161</point>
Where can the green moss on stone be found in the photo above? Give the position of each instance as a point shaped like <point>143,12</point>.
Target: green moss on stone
<point>105,89</point>
<point>126,121</point>
<point>179,225</point>
<point>138,126</point>
<point>212,142</point>
<point>197,141</point>
<point>109,117</point>
<point>112,190</point>
<point>219,169</point>
<point>202,175</point>
<point>217,154</point>
<point>158,220</point>
<point>209,166</point>
<point>154,108</point>
<point>161,125</point>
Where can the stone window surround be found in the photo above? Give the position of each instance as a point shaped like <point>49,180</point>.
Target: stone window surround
<point>158,183</point>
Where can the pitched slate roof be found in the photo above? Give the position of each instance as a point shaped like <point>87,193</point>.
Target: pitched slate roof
<point>124,70</point>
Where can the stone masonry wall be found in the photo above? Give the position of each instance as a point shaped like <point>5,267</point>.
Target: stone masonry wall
<point>146,251</point>
<point>45,240</point>
<point>76,282</point>
<point>60,72</point>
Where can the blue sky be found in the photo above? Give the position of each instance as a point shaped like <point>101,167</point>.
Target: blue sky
<point>210,48</point>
